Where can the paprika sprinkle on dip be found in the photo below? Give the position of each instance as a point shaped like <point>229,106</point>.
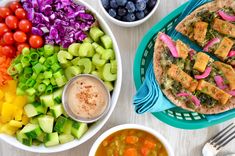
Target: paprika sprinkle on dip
<point>86,97</point>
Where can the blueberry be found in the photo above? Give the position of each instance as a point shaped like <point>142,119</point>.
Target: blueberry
<point>139,14</point>
<point>105,3</point>
<point>113,4</point>
<point>146,12</point>
<point>121,2</point>
<point>140,5</point>
<point>112,12</point>
<point>151,3</point>
<point>130,6</point>
<point>121,11</point>
<point>130,17</point>
<point>118,17</point>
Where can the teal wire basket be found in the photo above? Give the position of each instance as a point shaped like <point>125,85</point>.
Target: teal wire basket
<point>175,117</point>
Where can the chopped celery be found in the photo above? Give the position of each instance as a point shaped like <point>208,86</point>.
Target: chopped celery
<point>106,41</point>
<point>96,33</point>
<point>96,60</point>
<point>113,66</point>
<point>86,50</point>
<point>63,56</point>
<point>100,50</point>
<point>75,61</point>
<point>107,75</point>
<point>73,49</point>
<point>108,54</point>
<point>109,85</point>
<point>48,50</point>
<point>88,39</point>
<point>86,63</point>
<point>72,71</point>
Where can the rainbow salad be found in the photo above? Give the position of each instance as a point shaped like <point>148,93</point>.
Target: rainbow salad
<point>43,44</point>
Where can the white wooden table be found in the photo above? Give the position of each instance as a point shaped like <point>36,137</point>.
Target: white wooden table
<point>184,142</point>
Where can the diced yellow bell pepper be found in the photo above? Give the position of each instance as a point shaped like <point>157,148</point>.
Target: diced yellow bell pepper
<point>18,114</point>
<point>10,86</point>
<point>20,101</point>
<point>15,123</point>
<point>25,119</point>
<point>7,129</point>
<point>1,94</point>
<point>7,112</point>
<point>9,97</point>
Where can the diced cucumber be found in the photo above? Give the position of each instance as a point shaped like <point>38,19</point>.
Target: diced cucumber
<point>47,100</point>
<point>64,138</point>
<point>73,49</point>
<point>96,33</point>
<point>107,75</point>
<point>36,143</point>
<point>60,124</point>
<point>51,139</point>
<point>57,95</point>
<point>78,129</point>
<point>108,54</point>
<point>41,137</point>
<point>107,41</point>
<point>86,50</point>
<point>21,137</point>
<point>31,130</point>
<point>56,110</point>
<point>109,85</point>
<point>34,120</point>
<point>68,126</point>
<point>72,71</point>
<point>33,109</point>
<point>46,123</point>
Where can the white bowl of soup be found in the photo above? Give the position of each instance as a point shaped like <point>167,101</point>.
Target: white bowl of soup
<point>131,140</point>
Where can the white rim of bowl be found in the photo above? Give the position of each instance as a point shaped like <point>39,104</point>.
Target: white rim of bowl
<point>107,133</point>
<point>129,24</point>
<point>63,147</point>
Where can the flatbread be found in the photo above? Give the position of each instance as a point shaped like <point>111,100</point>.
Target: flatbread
<point>158,70</point>
<point>213,6</point>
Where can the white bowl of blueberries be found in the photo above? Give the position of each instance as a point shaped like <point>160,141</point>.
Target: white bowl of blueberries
<point>128,13</point>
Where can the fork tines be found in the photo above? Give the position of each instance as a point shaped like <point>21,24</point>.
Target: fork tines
<point>223,137</point>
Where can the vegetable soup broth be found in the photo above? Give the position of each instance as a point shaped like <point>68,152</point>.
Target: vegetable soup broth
<point>131,142</point>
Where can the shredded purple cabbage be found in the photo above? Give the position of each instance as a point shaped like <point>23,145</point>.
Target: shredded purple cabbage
<point>60,21</point>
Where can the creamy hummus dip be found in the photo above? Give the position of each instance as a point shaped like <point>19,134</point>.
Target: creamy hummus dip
<point>87,97</point>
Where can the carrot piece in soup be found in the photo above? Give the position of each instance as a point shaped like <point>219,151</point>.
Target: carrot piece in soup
<point>130,152</point>
<point>149,144</point>
<point>144,151</point>
<point>132,139</point>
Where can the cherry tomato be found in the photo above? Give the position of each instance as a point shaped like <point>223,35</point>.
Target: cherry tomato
<point>21,13</point>
<point>15,5</point>
<point>2,43</point>
<point>4,12</point>
<point>20,37</point>
<point>12,22</point>
<point>35,41</point>
<point>25,25</point>
<point>8,38</point>
<point>3,29</point>
<point>21,46</point>
<point>8,51</point>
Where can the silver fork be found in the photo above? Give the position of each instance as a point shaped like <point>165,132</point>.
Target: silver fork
<point>216,143</point>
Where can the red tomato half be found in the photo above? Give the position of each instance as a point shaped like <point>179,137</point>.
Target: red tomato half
<point>3,29</point>
<point>8,38</point>
<point>21,13</point>
<point>25,25</point>
<point>36,41</point>
<point>21,46</point>
<point>8,51</point>
<point>20,37</point>
<point>4,12</point>
<point>12,22</point>
<point>15,5</point>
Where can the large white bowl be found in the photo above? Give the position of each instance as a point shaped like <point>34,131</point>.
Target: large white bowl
<point>131,126</point>
<point>96,126</point>
<point>128,24</point>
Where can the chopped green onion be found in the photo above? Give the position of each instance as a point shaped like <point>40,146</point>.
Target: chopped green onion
<point>31,99</point>
<point>34,76</point>
<point>19,91</point>
<point>61,81</point>
<point>46,81</point>
<point>40,51</point>
<point>55,67</point>
<point>49,89</point>
<point>31,91</point>
<point>47,74</point>
<point>25,51</point>
<point>38,68</point>
<point>34,56</point>
<point>19,68</point>
<point>48,50</point>
<point>58,74</point>
<point>25,61</point>
<point>53,81</point>
<point>30,82</point>
<point>42,60</point>
<point>41,88</point>
<point>11,70</point>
